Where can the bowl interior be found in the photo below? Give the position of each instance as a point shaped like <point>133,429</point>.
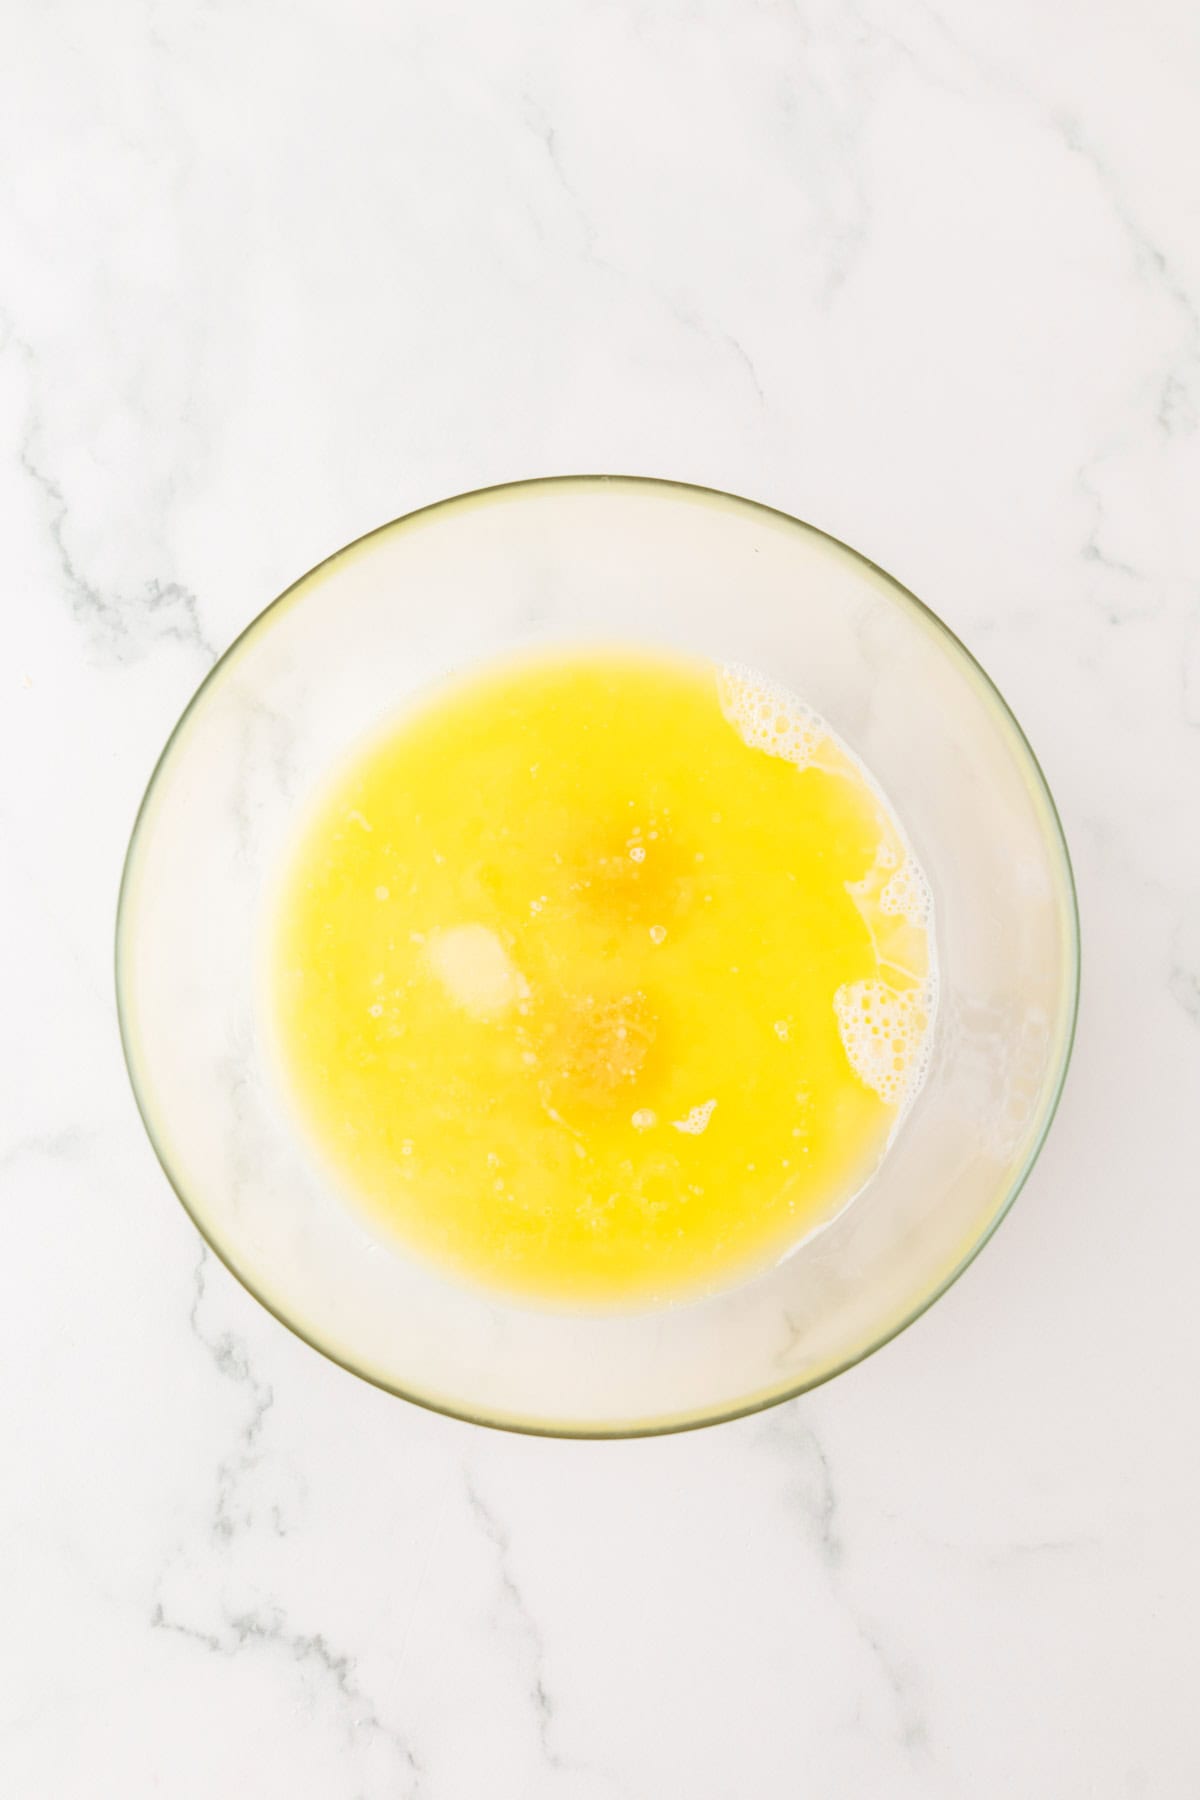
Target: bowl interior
<point>604,561</point>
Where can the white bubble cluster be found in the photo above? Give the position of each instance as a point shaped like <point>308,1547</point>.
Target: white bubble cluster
<point>885,1034</point>
<point>907,892</point>
<point>766,717</point>
<point>696,1120</point>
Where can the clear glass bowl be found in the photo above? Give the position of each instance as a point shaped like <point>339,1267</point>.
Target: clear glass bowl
<point>613,561</point>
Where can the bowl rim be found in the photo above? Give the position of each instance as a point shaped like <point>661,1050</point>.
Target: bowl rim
<point>759,1402</point>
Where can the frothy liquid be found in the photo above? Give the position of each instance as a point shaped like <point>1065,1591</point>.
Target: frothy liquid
<point>604,978</point>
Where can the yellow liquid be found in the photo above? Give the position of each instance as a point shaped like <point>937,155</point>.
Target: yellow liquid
<point>602,978</point>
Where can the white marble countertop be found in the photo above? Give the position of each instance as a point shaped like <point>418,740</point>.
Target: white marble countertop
<point>928,276</point>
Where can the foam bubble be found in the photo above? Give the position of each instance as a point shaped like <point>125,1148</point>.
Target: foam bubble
<point>894,900</point>
<point>766,717</point>
<point>696,1120</point>
<point>907,892</point>
<point>885,1034</point>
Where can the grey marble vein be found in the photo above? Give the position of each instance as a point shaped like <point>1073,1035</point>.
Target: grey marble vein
<point>907,1695</point>
<point>1176,402</point>
<point>232,1511</point>
<point>683,313</point>
<point>120,626</point>
<point>521,1621</point>
<point>810,1491</point>
<point>68,1141</point>
<point>716,334</point>
<point>337,1672</point>
<point>1175,409</point>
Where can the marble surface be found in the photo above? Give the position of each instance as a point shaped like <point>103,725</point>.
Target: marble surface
<point>928,275</point>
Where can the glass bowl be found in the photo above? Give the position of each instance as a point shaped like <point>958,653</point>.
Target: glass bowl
<point>572,561</point>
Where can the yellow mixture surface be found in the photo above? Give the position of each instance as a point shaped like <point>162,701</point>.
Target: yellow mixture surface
<point>602,978</point>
